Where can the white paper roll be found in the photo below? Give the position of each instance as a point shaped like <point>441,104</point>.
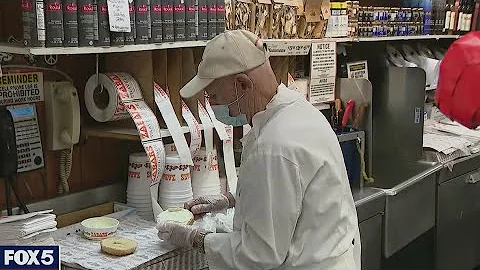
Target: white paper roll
<point>207,126</point>
<point>166,109</point>
<point>114,110</point>
<point>125,98</point>
<point>219,126</point>
<point>411,55</point>
<point>424,51</point>
<point>396,59</point>
<point>229,158</point>
<point>428,64</point>
<point>195,130</point>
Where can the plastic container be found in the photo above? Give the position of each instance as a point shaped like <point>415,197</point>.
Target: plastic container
<point>98,228</point>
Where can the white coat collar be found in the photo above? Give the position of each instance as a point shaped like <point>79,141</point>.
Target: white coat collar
<point>283,98</point>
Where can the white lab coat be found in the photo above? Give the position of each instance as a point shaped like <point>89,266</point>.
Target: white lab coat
<point>294,208</point>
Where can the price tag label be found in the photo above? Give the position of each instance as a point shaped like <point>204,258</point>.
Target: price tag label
<point>119,16</point>
<point>284,48</point>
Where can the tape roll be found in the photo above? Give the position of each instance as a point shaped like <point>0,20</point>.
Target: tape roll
<point>395,57</point>
<point>124,100</point>
<point>424,50</point>
<point>439,53</point>
<point>411,55</point>
<point>102,97</point>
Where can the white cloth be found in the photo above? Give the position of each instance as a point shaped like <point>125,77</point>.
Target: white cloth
<point>294,208</point>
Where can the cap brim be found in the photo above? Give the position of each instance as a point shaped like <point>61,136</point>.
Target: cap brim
<point>194,86</point>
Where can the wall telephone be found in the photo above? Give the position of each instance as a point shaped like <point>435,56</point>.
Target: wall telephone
<point>18,132</point>
<point>27,135</point>
<point>62,111</point>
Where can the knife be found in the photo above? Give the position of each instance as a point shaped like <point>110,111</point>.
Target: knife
<point>360,117</point>
<point>338,113</point>
<point>348,112</point>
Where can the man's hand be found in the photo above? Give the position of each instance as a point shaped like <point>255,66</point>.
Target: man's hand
<point>207,204</point>
<point>177,234</point>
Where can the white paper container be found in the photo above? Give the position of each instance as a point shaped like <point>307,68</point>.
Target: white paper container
<point>170,149</point>
<point>205,176</point>
<point>176,186</point>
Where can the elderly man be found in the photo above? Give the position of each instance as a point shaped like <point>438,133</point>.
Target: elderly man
<point>293,207</point>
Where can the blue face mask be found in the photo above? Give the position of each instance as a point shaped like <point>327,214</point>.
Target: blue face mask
<point>222,113</point>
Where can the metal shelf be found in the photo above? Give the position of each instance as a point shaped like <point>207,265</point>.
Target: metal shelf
<point>20,49</point>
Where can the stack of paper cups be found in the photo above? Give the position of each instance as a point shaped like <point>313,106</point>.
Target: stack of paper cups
<point>205,177</point>
<point>176,184</point>
<point>170,149</point>
<point>138,188</point>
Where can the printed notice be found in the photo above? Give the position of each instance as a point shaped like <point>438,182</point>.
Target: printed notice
<point>357,70</point>
<point>21,88</point>
<point>323,69</point>
<point>322,90</point>
<point>324,59</point>
<point>119,16</point>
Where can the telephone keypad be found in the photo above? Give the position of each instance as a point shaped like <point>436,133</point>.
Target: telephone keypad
<point>29,147</point>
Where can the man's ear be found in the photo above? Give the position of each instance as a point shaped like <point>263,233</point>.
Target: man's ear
<point>243,82</point>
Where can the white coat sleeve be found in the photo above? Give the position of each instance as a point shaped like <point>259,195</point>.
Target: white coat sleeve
<point>269,204</point>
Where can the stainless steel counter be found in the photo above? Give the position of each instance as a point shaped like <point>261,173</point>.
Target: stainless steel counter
<point>407,186</point>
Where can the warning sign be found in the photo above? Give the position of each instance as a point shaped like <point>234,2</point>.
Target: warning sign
<point>21,88</point>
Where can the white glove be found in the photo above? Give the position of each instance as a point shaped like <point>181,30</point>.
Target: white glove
<point>177,234</point>
<point>207,204</point>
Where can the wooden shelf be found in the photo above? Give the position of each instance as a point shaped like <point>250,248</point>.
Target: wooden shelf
<point>119,133</point>
<point>20,49</point>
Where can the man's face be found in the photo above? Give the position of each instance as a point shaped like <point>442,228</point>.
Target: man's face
<point>222,92</point>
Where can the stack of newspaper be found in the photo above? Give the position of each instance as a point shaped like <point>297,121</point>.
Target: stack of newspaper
<point>449,139</point>
<point>28,229</point>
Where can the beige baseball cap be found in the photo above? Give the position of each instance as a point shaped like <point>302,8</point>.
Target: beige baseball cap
<point>229,53</point>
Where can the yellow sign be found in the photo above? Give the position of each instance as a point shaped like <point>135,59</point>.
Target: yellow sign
<point>21,88</point>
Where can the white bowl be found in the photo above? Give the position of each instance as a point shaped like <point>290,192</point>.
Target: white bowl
<point>98,228</point>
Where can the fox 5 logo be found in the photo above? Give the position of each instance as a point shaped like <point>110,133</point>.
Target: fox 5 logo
<point>29,257</point>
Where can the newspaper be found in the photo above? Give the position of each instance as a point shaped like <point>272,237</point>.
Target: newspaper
<point>76,249</point>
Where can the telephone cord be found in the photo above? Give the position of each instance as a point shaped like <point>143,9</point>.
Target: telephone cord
<point>65,169</point>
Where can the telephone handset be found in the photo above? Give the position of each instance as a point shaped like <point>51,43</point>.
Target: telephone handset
<point>16,128</point>
<point>62,110</point>
<point>8,147</point>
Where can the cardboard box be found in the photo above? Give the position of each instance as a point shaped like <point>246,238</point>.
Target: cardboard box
<point>263,18</point>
